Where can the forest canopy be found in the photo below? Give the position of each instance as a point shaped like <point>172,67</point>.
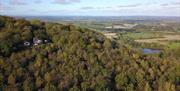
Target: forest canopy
<point>44,56</point>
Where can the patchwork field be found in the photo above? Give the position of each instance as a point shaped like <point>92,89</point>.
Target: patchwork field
<point>142,35</point>
<point>164,40</point>
<point>174,45</point>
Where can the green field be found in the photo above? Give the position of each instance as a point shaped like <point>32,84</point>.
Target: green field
<point>142,35</point>
<point>174,45</point>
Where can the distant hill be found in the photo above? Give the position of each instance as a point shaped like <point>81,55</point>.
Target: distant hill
<point>131,19</point>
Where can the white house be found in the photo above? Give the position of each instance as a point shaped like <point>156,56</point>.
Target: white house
<point>37,41</point>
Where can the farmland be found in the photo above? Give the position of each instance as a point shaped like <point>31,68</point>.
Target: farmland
<point>156,34</point>
<point>164,40</point>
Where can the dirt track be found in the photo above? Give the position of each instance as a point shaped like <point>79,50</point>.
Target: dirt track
<point>111,35</point>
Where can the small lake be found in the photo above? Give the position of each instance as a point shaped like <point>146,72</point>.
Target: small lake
<point>150,51</point>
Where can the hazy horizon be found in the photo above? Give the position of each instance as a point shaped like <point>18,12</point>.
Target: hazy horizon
<point>90,8</point>
<point>87,16</point>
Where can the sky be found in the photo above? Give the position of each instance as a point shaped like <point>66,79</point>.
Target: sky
<point>90,7</point>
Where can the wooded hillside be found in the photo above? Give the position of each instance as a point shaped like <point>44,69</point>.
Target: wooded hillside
<point>38,56</point>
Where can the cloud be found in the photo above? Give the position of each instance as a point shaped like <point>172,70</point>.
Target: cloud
<point>165,4</point>
<point>95,8</point>
<point>18,2</point>
<point>37,1</point>
<point>88,7</point>
<point>171,4</point>
<point>66,1</point>
<point>151,3</point>
<point>110,8</point>
<point>175,3</point>
<point>60,11</point>
<point>5,8</point>
<point>129,6</point>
